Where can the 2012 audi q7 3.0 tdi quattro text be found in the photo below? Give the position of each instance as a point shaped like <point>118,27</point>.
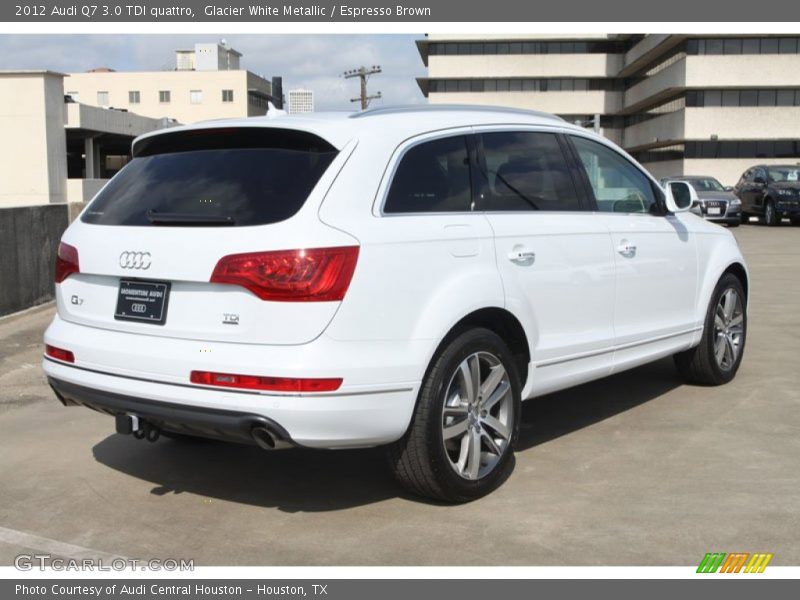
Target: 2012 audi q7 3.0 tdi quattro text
<point>400,277</point>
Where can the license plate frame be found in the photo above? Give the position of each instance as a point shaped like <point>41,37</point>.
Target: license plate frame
<point>134,305</point>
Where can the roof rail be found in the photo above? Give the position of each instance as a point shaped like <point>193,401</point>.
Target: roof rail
<point>411,108</point>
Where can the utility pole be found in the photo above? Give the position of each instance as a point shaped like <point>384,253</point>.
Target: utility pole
<point>363,74</point>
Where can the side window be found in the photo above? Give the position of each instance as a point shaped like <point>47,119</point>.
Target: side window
<point>525,170</point>
<point>618,185</point>
<point>759,173</point>
<point>432,177</point>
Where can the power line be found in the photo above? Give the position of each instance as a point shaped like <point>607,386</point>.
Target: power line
<point>363,74</point>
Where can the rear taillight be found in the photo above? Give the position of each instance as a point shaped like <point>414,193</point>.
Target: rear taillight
<point>310,275</point>
<point>259,382</point>
<point>59,353</point>
<point>66,262</point>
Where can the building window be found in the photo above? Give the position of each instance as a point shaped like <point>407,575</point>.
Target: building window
<point>102,98</point>
<point>134,97</point>
<point>164,96</point>
<point>551,84</point>
<point>770,45</point>
<point>736,98</point>
<point>196,96</point>
<point>227,95</point>
<point>515,47</point>
<point>725,149</point>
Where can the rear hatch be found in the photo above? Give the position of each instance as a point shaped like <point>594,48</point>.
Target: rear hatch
<point>151,242</point>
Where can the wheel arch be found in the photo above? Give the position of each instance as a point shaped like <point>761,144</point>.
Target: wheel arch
<point>502,322</point>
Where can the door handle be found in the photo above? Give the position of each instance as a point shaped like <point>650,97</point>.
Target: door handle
<point>626,249</point>
<point>522,256</point>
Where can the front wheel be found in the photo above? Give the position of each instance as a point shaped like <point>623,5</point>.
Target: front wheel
<point>459,446</point>
<point>770,214</point>
<point>718,356</point>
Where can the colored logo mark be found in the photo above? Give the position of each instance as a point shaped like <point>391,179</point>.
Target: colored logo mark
<point>736,562</point>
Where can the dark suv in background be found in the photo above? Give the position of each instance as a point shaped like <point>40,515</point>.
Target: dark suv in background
<point>770,192</point>
<point>714,201</point>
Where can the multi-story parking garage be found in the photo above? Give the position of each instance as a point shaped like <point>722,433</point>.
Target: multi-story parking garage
<point>682,105</point>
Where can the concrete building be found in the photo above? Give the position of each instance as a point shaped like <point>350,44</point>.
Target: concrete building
<point>300,101</point>
<point>206,83</point>
<point>699,104</point>
<point>59,151</point>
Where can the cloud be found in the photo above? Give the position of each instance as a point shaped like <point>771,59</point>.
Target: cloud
<point>304,60</point>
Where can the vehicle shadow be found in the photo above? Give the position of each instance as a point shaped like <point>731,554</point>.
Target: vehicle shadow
<point>561,413</point>
<point>303,480</point>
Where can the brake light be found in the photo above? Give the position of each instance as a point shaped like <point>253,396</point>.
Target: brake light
<point>308,275</point>
<point>66,262</point>
<point>258,382</point>
<point>59,353</point>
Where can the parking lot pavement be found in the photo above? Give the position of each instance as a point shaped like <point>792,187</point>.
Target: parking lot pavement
<point>636,469</point>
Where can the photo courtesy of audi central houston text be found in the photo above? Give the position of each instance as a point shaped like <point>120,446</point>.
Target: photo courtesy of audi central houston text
<point>283,287</point>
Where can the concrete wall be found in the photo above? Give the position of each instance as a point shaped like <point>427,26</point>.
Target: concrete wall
<point>32,122</point>
<point>29,238</point>
<point>83,190</point>
<point>524,65</point>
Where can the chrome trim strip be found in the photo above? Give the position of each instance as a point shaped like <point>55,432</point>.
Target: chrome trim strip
<point>234,390</point>
<point>558,361</point>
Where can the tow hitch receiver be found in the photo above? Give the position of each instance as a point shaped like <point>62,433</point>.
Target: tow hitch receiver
<point>128,424</point>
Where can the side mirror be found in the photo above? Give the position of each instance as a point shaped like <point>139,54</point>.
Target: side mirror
<point>760,180</point>
<point>680,196</point>
<point>728,188</point>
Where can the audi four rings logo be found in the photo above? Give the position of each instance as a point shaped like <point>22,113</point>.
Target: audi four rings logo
<point>135,260</point>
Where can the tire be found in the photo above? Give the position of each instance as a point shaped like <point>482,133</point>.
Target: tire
<point>436,457</point>
<point>770,214</point>
<point>796,221</point>
<point>703,364</point>
<point>734,223</point>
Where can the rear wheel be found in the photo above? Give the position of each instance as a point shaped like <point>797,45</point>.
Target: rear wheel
<point>718,356</point>
<point>459,446</point>
<point>770,214</point>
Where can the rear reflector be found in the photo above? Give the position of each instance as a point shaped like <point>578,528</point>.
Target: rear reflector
<point>59,353</point>
<point>309,275</point>
<point>66,262</point>
<point>258,382</point>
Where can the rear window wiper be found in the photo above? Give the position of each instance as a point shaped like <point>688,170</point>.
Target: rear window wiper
<point>164,218</point>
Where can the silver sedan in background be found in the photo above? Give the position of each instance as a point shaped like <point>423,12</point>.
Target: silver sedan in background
<point>714,201</point>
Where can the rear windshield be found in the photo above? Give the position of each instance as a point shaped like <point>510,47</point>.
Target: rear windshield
<point>224,177</point>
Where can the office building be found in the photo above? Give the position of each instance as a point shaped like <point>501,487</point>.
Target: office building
<point>680,104</point>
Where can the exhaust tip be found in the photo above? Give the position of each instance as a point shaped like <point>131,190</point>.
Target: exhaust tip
<point>263,438</point>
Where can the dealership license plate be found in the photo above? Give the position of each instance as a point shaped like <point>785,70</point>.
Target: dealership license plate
<point>715,211</point>
<point>143,301</point>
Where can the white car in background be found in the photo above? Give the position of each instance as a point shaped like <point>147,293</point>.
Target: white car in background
<point>401,277</point>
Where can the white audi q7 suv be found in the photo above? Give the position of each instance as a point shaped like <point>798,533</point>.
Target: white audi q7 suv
<point>401,277</point>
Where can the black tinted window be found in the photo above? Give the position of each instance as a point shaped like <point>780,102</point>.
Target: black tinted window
<point>525,171</point>
<point>214,177</point>
<point>432,177</point>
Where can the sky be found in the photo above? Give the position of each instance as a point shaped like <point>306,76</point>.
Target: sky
<point>304,60</point>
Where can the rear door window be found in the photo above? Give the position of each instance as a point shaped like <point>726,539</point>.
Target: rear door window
<point>524,171</point>
<point>236,176</point>
<point>432,176</point>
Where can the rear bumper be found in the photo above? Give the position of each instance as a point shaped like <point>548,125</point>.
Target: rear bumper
<point>227,425</point>
<point>148,376</point>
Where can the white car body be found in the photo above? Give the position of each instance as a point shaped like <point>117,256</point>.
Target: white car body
<point>587,309</point>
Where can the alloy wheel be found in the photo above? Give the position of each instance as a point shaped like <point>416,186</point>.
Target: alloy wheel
<point>477,420</point>
<point>728,329</point>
